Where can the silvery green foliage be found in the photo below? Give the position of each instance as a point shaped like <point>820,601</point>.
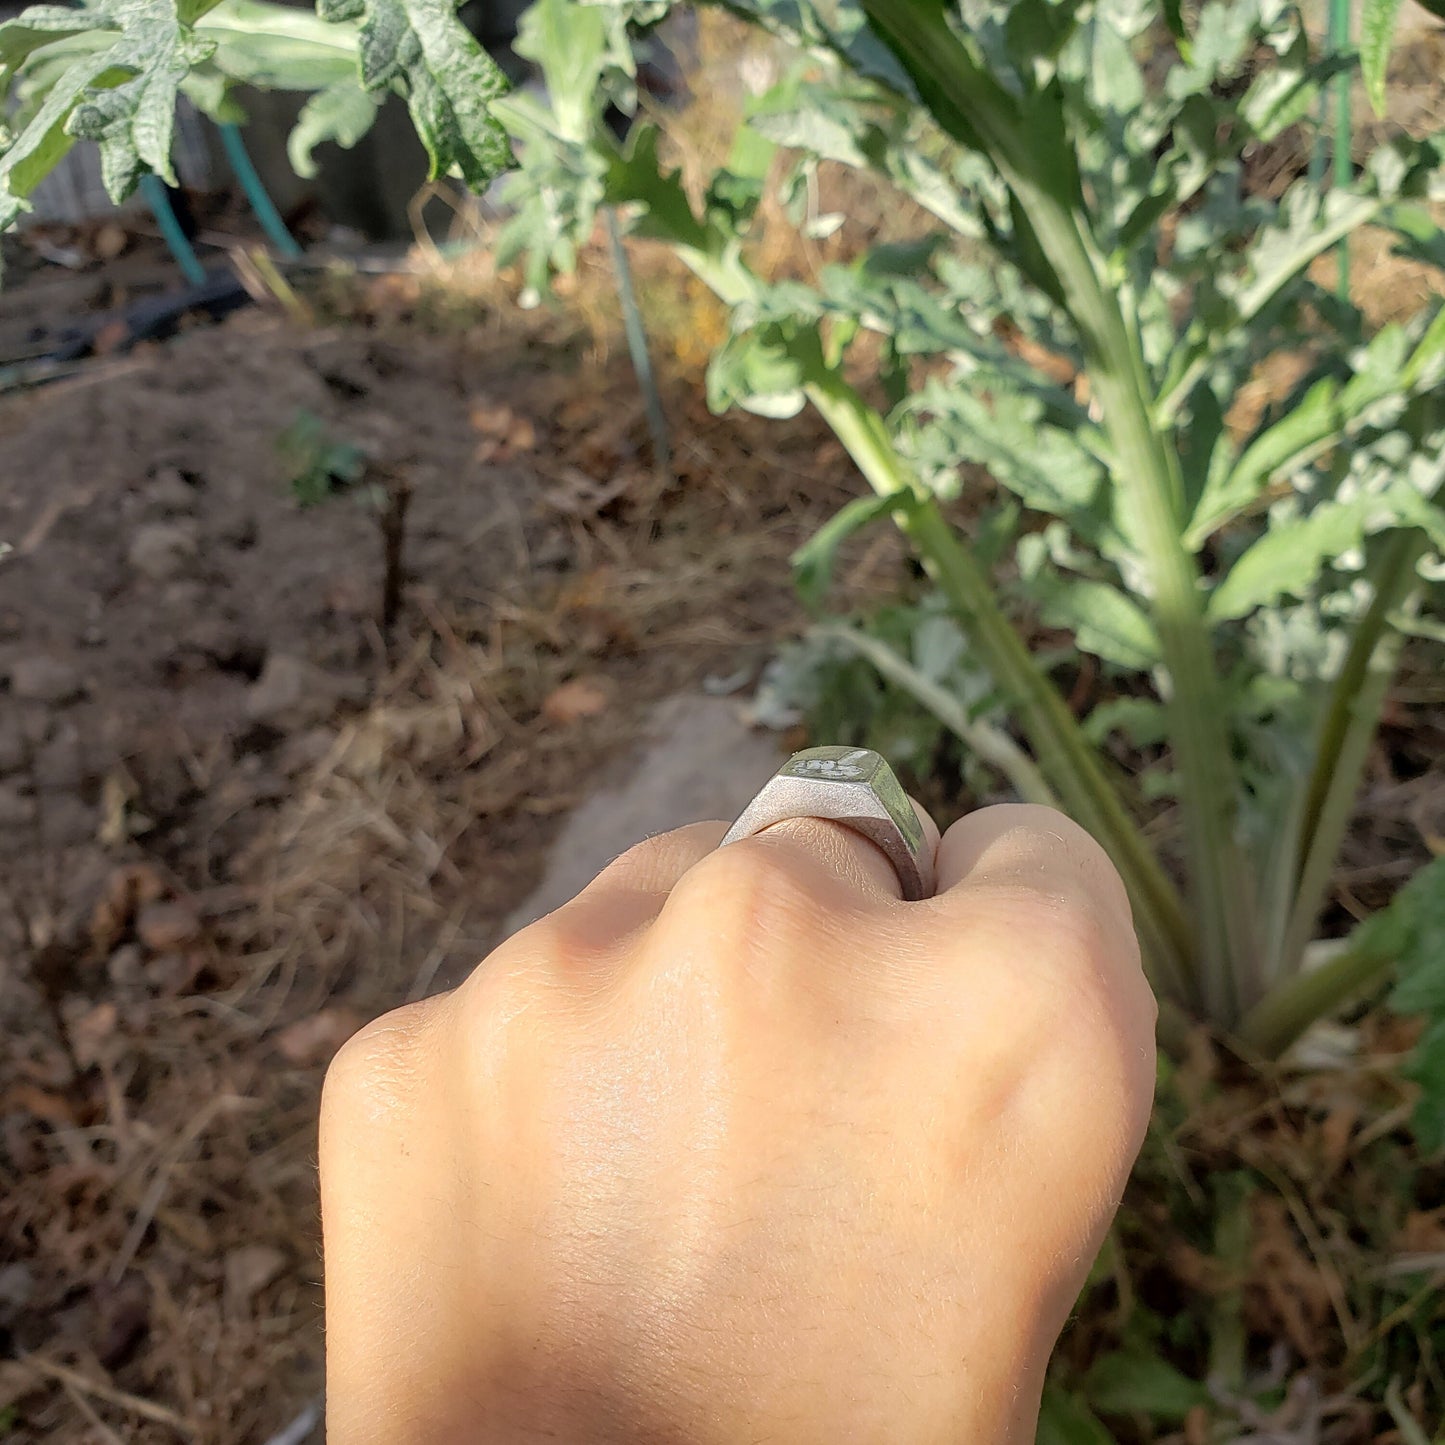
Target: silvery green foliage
<point>110,71</point>
<point>1216,280</point>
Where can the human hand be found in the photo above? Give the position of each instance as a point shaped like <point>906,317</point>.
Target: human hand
<point>736,1146</point>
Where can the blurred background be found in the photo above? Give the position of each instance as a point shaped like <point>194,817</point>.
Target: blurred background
<point>351,618</point>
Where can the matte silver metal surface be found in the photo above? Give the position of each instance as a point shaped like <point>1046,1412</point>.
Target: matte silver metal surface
<point>857,788</point>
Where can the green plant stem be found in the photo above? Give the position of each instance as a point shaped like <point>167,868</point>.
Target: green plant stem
<point>1343,169</point>
<point>991,744</point>
<point>636,333</point>
<point>177,242</point>
<point>1347,728</point>
<point>1274,1023</point>
<point>1064,753</point>
<point>1035,161</point>
<point>262,206</point>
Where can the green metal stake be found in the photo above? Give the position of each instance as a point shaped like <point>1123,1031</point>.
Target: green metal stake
<point>177,243</point>
<point>260,201</point>
<point>637,346</point>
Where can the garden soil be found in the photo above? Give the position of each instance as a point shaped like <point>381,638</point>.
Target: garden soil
<point>239,816</point>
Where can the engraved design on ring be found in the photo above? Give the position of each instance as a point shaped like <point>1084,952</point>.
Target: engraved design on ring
<point>854,787</point>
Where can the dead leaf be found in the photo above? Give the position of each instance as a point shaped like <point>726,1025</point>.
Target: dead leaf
<point>1285,1291</point>
<point>350,594</point>
<point>122,1316</point>
<point>110,338</point>
<point>249,1270</point>
<point>314,1039</point>
<point>503,433</point>
<point>1196,1426</point>
<point>109,241</point>
<point>167,927</point>
<point>53,1109</point>
<point>1427,813</point>
<point>1337,1132</point>
<point>1423,1232</point>
<point>17,1381</point>
<point>172,974</point>
<point>91,1032</point>
<point>582,697</point>
<point>1196,1271</point>
<point>126,890</point>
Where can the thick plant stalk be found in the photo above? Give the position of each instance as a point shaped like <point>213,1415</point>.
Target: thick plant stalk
<point>1065,755</point>
<point>1036,163</point>
<point>1350,719</point>
<point>1273,1024</point>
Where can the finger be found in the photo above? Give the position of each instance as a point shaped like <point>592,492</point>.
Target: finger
<point>1040,881</point>
<point>837,852</point>
<point>1025,848</point>
<point>631,890</point>
<point>1036,887</point>
<point>655,864</point>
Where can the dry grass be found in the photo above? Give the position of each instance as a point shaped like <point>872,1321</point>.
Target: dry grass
<point>160,1119</point>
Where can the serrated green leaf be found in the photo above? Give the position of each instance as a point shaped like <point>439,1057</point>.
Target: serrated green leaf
<point>1103,620</point>
<point>1306,223</point>
<point>1141,720</point>
<point>813,561</point>
<point>342,113</point>
<point>276,47</point>
<point>1117,82</point>
<point>37,27</point>
<point>1377,39</point>
<point>1412,932</point>
<point>44,141</point>
<point>1035,32</point>
<point>1329,414</point>
<point>1142,1384</point>
<point>134,122</point>
<point>1289,557</point>
<point>637,176</point>
<point>122,63</point>
<point>422,50</point>
<point>573,45</point>
<point>1281,93</point>
<point>757,372</point>
<point>1007,432</point>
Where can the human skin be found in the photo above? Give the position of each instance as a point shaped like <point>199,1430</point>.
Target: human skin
<point>737,1146</point>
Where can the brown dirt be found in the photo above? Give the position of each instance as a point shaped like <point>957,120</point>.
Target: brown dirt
<point>240,821</point>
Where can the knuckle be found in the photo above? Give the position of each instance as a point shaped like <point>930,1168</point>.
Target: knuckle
<point>373,1076</point>
<point>1078,972</point>
<point>747,893</point>
<point>567,947</point>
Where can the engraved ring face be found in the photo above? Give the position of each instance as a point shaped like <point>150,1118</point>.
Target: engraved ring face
<point>854,787</point>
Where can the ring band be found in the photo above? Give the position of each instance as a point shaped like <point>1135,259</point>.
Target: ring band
<point>852,786</point>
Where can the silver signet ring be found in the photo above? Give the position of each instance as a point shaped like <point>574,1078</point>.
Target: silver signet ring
<point>857,788</point>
